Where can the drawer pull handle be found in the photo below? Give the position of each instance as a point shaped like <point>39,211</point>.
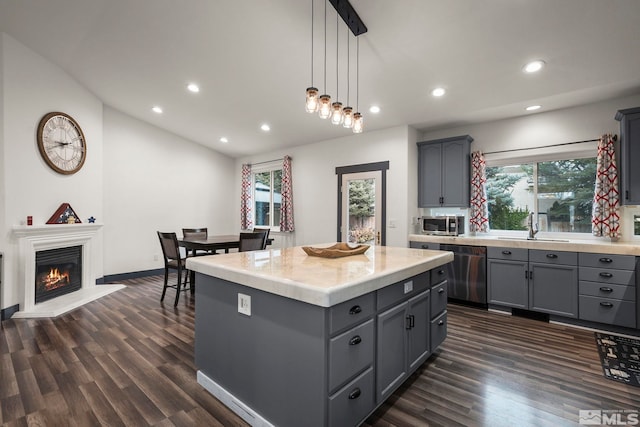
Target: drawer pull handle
<point>606,289</point>
<point>606,304</point>
<point>506,252</point>
<point>440,272</point>
<point>425,246</point>
<point>441,290</point>
<point>355,340</point>
<point>552,256</point>
<point>355,394</point>
<point>606,260</point>
<point>440,323</point>
<point>355,310</point>
<point>605,274</point>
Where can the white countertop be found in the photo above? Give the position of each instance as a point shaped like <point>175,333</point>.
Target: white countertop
<point>572,245</point>
<point>291,273</point>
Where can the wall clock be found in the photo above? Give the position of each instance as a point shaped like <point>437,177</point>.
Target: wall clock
<point>61,143</point>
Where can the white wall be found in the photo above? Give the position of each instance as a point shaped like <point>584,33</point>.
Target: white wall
<point>315,181</point>
<point>157,181</point>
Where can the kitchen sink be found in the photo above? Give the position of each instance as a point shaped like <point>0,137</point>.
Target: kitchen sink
<point>537,239</point>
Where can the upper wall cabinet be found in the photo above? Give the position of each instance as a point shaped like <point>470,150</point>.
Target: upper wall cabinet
<point>443,172</point>
<point>629,155</point>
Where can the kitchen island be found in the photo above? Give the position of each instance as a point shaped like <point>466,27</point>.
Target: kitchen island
<point>286,339</point>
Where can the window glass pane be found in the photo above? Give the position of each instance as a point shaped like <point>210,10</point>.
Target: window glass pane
<point>277,197</point>
<point>565,195</point>
<point>262,198</point>
<point>510,196</point>
<point>636,225</point>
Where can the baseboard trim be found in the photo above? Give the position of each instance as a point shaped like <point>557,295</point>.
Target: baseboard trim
<point>6,313</point>
<point>132,275</point>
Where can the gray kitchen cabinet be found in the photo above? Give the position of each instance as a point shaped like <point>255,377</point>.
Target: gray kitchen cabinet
<point>403,342</point>
<point>629,155</point>
<point>439,287</point>
<point>608,289</point>
<point>507,276</point>
<point>444,172</point>
<point>424,245</point>
<point>538,280</point>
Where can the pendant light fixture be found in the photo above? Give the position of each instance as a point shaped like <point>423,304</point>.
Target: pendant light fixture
<point>325,100</point>
<point>358,122</point>
<point>311,101</point>
<point>347,112</point>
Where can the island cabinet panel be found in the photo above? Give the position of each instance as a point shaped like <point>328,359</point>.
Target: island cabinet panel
<point>351,312</point>
<point>350,353</point>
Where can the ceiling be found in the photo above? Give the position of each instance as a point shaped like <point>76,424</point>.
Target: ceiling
<point>252,60</point>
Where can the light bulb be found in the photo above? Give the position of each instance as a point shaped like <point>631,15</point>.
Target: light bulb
<point>347,114</point>
<point>311,104</point>
<point>325,107</point>
<point>336,113</point>
<point>358,124</point>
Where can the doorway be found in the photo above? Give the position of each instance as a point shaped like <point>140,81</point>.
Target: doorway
<point>362,203</point>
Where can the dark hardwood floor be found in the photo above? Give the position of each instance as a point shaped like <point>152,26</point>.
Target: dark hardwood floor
<point>127,360</point>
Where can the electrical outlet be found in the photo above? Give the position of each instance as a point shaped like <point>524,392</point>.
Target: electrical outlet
<point>244,304</point>
<point>408,287</point>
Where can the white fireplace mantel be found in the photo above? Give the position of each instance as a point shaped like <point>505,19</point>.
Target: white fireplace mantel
<point>34,238</point>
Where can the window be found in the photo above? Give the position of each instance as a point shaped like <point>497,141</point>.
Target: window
<point>267,197</point>
<point>558,192</point>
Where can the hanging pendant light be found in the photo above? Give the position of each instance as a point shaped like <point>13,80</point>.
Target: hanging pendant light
<point>311,100</point>
<point>324,110</point>
<point>358,124</point>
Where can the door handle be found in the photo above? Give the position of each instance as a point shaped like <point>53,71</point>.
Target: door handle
<point>378,238</point>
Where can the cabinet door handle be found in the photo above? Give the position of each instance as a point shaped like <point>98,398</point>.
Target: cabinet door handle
<point>606,260</point>
<point>355,310</point>
<point>440,272</point>
<point>425,246</point>
<point>441,290</point>
<point>552,256</point>
<point>526,274</point>
<point>506,252</point>
<point>606,289</point>
<point>606,304</point>
<point>605,274</point>
<point>355,340</point>
<point>355,394</point>
<point>410,321</point>
<point>440,323</point>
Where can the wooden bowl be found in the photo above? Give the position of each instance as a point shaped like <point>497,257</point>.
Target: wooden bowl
<point>338,250</point>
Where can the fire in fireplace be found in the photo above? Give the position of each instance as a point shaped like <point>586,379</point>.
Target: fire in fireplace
<point>58,272</point>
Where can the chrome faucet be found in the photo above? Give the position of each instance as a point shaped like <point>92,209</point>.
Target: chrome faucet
<point>533,228</point>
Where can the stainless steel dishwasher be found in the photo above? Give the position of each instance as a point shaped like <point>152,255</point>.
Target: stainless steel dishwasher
<point>467,273</point>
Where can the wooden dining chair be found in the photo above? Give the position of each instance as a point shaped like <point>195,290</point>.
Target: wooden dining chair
<point>174,261</point>
<point>251,241</point>
<point>198,234</point>
<point>265,233</point>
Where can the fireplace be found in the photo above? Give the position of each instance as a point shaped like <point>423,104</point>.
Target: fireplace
<point>58,272</point>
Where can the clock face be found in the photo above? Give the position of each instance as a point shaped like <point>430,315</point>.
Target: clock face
<point>61,143</point>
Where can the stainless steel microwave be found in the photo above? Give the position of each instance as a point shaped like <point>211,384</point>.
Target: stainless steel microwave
<point>445,225</point>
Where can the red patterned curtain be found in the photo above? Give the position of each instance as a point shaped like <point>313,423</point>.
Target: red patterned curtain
<point>246,222</point>
<point>479,214</point>
<point>605,219</point>
<point>286,206</point>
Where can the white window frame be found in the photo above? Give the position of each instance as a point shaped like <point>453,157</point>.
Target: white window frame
<point>270,167</point>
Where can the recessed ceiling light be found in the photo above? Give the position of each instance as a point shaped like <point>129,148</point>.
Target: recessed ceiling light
<point>192,87</point>
<point>265,127</point>
<point>374,109</point>
<point>533,66</point>
<point>533,107</point>
<point>224,140</point>
<point>439,91</point>
<point>157,110</point>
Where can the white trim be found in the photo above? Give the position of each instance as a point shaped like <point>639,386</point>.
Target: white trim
<point>230,401</point>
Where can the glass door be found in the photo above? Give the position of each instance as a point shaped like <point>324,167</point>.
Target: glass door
<point>361,207</point>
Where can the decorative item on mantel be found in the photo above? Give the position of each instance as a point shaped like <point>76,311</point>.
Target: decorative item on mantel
<point>338,250</point>
<point>91,220</point>
<point>64,215</point>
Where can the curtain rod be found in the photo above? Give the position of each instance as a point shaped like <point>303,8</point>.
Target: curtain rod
<point>615,138</point>
<point>266,161</point>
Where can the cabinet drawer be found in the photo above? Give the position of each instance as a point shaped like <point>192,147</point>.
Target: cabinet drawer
<point>438,298</point>
<point>349,353</point>
<point>399,291</point>
<point>424,245</point>
<point>353,402</point>
<point>439,274</point>
<point>351,312</point>
<point>515,254</point>
<point>553,257</point>
<point>620,262</point>
<point>606,310</point>
<point>607,275</point>
<point>606,290</point>
<point>438,330</point>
